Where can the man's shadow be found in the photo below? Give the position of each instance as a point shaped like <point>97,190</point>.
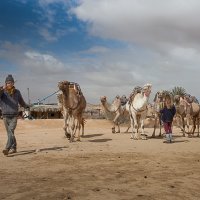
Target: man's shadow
<point>25,152</point>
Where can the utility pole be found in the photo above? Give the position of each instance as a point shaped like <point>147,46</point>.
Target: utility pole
<point>29,101</point>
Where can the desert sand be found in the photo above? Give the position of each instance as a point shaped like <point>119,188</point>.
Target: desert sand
<point>102,166</point>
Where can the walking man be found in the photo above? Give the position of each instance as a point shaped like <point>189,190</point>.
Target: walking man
<point>10,99</point>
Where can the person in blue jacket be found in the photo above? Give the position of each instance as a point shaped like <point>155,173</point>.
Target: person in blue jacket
<point>167,115</point>
<point>10,99</point>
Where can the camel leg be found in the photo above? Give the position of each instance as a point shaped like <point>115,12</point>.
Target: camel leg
<point>142,127</point>
<point>116,123</point>
<point>118,128</point>
<point>72,128</point>
<point>154,128</point>
<point>183,123</point>
<point>182,127</point>
<point>113,129</point>
<point>137,134</point>
<point>188,124</point>
<point>66,124</point>
<point>79,121</point>
<point>160,126</point>
<point>132,127</point>
<point>66,129</point>
<point>194,126</point>
<point>83,126</point>
<point>126,131</point>
<point>198,126</point>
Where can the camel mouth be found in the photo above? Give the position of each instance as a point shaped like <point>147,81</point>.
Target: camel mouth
<point>147,93</point>
<point>62,85</point>
<point>103,99</point>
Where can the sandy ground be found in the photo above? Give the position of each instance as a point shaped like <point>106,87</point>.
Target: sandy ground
<point>102,166</point>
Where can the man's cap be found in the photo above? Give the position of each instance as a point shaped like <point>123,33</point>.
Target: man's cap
<point>9,78</point>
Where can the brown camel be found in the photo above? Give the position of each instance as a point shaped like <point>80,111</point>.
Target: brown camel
<point>73,104</point>
<point>159,100</point>
<point>115,108</point>
<point>189,111</point>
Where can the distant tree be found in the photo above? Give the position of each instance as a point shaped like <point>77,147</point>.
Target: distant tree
<point>178,91</point>
<point>167,92</point>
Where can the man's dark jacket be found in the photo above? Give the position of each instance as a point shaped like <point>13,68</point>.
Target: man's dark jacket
<point>167,114</point>
<point>10,103</point>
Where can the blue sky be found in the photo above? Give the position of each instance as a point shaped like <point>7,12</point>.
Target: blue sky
<point>107,46</point>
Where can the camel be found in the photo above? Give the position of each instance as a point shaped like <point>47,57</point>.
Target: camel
<point>73,104</point>
<point>159,100</point>
<point>137,107</point>
<point>181,113</point>
<point>115,108</point>
<point>189,111</point>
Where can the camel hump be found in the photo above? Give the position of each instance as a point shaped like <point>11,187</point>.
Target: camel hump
<point>136,90</point>
<point>195,107</point>
<point>195,100</point>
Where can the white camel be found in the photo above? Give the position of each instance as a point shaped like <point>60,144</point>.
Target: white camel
<point>137,107</point>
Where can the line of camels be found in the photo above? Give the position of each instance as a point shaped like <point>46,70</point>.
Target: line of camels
<point>73,103</point>
<point>185,111</point>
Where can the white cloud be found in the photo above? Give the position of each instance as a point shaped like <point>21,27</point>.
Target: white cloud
<point>162,40</point>
<point>150,23</point>
<point>43,61</point>
<point>97,50</point>
<point>160,46</point>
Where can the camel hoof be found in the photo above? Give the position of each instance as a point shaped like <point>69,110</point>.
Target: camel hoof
<point>144,138</point>
<point>113,130</point>
<point>78,140</point>
<point>67,135</point>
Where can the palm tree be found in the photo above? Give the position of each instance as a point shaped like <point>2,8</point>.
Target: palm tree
<point>178,91</point>
<point>167,92</point>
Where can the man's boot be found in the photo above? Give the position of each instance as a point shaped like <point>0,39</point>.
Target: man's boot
<point>167,138</point>
<point>170,137</point>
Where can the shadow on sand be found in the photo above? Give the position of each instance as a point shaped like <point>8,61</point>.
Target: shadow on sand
<point>100,140</point>
<point>25,152</point>
<point>92,135</point>
<point>176,141</point>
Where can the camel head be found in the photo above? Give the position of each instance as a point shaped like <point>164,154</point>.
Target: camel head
<point>63,85</point>
<point>159,97</point>
<point>146,90</point>
<point>177,99</point>
<point>103,99</point>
